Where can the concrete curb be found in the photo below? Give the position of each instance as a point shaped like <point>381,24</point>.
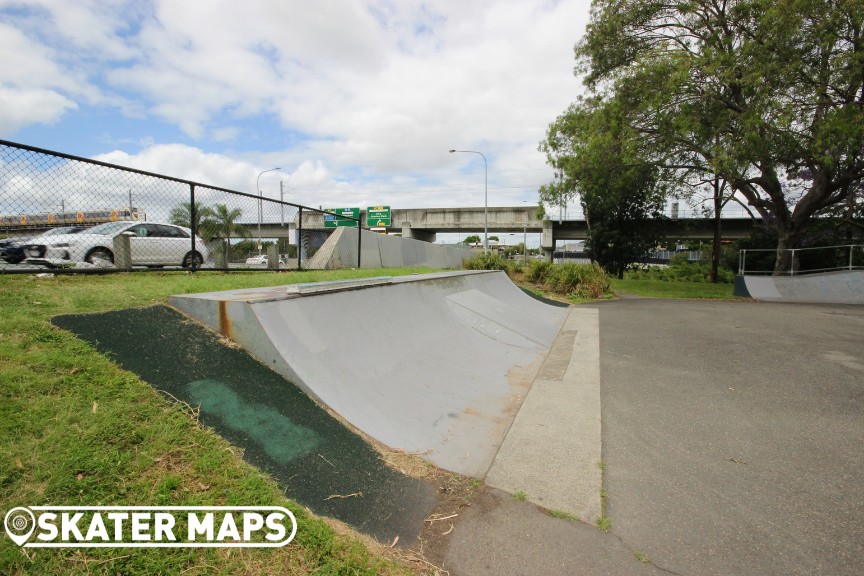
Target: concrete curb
<point>552,450</point>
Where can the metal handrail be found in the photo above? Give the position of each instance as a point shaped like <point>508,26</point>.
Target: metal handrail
<point>742,259</point>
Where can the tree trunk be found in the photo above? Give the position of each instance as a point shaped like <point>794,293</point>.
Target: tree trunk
<point>786,263</point>
<point>715,247</point>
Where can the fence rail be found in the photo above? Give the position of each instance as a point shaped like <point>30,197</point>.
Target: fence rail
<point>72,214</point>
<point>758,261</point>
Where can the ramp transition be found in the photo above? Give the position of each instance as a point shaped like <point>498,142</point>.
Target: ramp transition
<point>436,364</point>
<point>842,287</point>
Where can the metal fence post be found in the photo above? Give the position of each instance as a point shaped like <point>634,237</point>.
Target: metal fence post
<point>192,225</point>
<point>300,240</point>
<point>851,250</point>
<point>742,262</point>
<point>792,263</point>
<point>359,236</point>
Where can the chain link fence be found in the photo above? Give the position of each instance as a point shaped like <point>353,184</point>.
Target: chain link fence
<point>71,214</point>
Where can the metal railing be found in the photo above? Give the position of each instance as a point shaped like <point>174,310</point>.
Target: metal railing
<point>756,261</point>
<point>72,214</point>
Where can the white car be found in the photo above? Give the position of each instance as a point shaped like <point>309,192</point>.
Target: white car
<point>262,260</point>
<point>152,244</point>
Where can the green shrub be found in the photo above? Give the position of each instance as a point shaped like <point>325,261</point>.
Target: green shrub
<point>580,280</point>
<point>680,270</point>
<point>679,259</point>
<point>488,261</point>
<point>538,271</point>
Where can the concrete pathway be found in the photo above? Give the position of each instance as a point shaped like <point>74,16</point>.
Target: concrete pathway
<point>552,450</point>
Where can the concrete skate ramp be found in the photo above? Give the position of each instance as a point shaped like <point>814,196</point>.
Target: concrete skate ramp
<point>436,364</point>
<point>844,287</point>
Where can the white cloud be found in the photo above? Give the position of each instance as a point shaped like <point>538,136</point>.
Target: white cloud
<point>23,107</point>
<point>378,91</point>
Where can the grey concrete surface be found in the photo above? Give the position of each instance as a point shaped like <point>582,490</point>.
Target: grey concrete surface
<point>552,450</point>
<point>732,435</point>
<point>499,535</point>
<point>379,250</point>
<point>433,364</point>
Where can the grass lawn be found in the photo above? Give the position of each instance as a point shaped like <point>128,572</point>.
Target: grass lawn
<point>75,429</point>
<point>664,289</point>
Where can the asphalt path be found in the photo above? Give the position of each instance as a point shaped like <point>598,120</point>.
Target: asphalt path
<point>733,434</point>
<point>731,442</point>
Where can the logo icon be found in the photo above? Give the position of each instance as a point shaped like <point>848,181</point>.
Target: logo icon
<point>20,524</point>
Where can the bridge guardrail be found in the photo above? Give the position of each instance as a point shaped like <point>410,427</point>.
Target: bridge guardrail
<point>63,212</point>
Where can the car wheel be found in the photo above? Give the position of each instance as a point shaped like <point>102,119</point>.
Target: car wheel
<point>100,254</point>
<point>192,259</point>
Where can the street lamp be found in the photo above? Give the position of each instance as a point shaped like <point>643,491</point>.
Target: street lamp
<point>485,198</point>
<point>261,205</point>
<point>282,199</point>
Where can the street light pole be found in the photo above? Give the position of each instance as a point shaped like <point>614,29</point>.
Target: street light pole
<point>485,198</point>
<point>282,199</point>
<point>261,204</point>
<point>525,238</point>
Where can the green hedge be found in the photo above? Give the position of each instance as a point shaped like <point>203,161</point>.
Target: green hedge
<point>681,270</point>
<point>488,261</point>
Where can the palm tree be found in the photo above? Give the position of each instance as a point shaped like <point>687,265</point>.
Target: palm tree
<point>204,225</point>
<point>222,224</point>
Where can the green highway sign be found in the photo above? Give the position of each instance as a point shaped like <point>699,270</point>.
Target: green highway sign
<point>342,217</point>
<point>377,216</point>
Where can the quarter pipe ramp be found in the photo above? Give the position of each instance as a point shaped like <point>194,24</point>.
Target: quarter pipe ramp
<point>437,364</point>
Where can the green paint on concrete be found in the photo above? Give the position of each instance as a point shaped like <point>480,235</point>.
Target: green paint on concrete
<point>281,439</point>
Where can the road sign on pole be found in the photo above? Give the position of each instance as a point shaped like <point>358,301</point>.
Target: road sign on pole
<point>377,216</point>
<point>342,217</point>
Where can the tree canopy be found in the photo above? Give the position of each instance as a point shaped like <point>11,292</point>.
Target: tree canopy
<point>767,95</point>
<point>622,195</point>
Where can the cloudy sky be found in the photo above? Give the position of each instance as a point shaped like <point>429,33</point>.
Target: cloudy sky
<point>357,101</point>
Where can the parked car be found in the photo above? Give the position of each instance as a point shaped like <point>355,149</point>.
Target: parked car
<point>261,260</point>
<point>12,249</point>
<point>152,244</point>
<point>8,247</point>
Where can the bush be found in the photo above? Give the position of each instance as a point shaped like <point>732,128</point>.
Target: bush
<point>538,271</point>
<point>680,270</point>
<point>488,261</point>
<point>580,280</point>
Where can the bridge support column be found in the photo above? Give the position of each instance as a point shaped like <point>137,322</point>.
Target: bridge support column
<point>547,242</point>
<point>422,235</point>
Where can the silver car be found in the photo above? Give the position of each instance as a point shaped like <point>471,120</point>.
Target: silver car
<point>152,244</point>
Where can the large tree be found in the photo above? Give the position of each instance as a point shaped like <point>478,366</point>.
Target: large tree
<point>592,148</point>
<point>753,92</point>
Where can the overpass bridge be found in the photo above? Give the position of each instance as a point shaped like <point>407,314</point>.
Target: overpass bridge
<point>425,223</point>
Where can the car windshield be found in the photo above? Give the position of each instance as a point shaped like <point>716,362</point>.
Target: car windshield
<point>107,229</point>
